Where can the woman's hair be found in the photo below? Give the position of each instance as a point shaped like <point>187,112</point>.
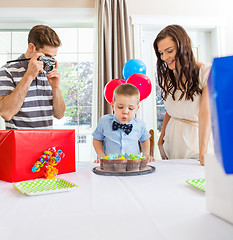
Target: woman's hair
<point>188,66</point>
<point>41,36</point>
<point>126,89</point>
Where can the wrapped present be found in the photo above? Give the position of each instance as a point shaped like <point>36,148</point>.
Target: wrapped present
<point>220,85</point>
<point>20,149</point>
<point>219,190</point>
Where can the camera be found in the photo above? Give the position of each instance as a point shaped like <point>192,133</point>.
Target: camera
<point>48,63</point>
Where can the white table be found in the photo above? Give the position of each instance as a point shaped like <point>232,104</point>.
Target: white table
<point>157,206</point>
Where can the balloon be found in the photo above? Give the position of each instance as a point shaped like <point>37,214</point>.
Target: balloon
<point>133,66</point>
<point>142,82</point>
<point>110,87</point>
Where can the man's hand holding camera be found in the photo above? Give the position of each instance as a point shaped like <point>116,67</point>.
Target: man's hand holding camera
<point>39,63</point>
<point>35,66</point>
<point>54,77</point>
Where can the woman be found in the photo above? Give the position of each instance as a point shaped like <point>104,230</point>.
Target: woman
<point>183,81</point>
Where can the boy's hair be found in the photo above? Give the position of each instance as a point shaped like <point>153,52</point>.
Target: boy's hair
<point>126,89</point>
<point>41,35</point>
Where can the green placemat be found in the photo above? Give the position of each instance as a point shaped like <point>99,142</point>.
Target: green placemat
<point>197,183</point>
<point>44,186</point>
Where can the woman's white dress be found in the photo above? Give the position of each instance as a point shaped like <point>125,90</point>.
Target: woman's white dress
<point>181,137</point>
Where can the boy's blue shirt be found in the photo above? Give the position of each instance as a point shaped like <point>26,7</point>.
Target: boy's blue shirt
<point>118,141</point>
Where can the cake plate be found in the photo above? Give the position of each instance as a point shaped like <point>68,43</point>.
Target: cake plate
<point>150,169</point>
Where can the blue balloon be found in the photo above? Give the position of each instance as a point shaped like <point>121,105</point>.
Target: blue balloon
<point>133,66</point>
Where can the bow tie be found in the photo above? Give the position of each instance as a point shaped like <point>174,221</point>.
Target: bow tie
<point>126,128</point>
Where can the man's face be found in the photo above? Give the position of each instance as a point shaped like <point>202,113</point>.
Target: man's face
<point>48,51</point>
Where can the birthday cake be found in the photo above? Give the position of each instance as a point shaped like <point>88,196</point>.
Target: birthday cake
<point>123,163</point>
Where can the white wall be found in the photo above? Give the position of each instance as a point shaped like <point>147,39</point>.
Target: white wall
<point>219,10</point>
<point>48,3</point>
<point>214,8</point>
<point>179,7</point>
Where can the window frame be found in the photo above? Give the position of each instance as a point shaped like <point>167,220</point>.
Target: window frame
<point>141,23</point>
<point>26,18</point>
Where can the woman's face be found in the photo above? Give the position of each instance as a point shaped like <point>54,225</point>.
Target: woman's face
<point>168,49</point>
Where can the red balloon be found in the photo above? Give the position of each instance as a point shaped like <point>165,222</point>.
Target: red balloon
<point>142,82</point>
<point>110,87</point>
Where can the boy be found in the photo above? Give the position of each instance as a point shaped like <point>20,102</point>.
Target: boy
<point>120,132</point>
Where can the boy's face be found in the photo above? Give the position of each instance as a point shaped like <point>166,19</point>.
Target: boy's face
<point>125,108</point>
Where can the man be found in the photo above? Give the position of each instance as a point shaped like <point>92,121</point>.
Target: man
<point>30,96</point>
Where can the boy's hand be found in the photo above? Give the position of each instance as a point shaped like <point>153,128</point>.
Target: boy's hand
<point>99,156</point>
<point>150,158</point>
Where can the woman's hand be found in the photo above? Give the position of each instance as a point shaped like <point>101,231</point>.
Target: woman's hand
<point>162,152</point>
<point>162,134</point>
<point>204,124</point>
<point>201,158</point>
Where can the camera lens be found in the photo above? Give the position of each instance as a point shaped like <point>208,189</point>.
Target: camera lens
<point>48,68</point>
<point>49,63</point>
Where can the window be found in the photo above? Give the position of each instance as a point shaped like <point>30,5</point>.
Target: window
<point>12,44</point>
<point>82,139</point>
<point>76,64</point>
<point>159,101</point>
<point>75,60</point>
<point>206,45</point>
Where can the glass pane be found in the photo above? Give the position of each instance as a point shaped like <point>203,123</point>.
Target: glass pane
<point>15,56</point>
<point>71,115</point>
<point>5,42</point>
<point>85,57</point>
<point>70,92</point>
<point>159,106</point>
<point>85,116</point>
<point>4,58</point>
<point>159,100</point>
<point>19,42</point>
<point>85,73</point>
<point>160,116</point>
<point>85,44</point>
<point>67,66</point>
<point>69,39</point>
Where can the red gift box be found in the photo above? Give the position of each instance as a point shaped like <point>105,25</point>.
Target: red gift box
<point>20,149</point>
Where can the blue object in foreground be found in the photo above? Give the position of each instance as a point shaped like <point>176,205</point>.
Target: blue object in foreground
<point>220,85</point>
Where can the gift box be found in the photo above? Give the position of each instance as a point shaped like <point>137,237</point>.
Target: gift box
<point>20,149</point>
<point>219,167</point>
<point>219,190</point>
<point>220,84</point>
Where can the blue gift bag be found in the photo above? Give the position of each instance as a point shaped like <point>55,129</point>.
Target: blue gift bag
<point>220,85</point>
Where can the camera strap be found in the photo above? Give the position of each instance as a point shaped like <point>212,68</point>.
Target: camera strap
<point>18,60</point>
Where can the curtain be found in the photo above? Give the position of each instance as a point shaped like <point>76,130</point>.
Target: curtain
<point>114,45</point>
